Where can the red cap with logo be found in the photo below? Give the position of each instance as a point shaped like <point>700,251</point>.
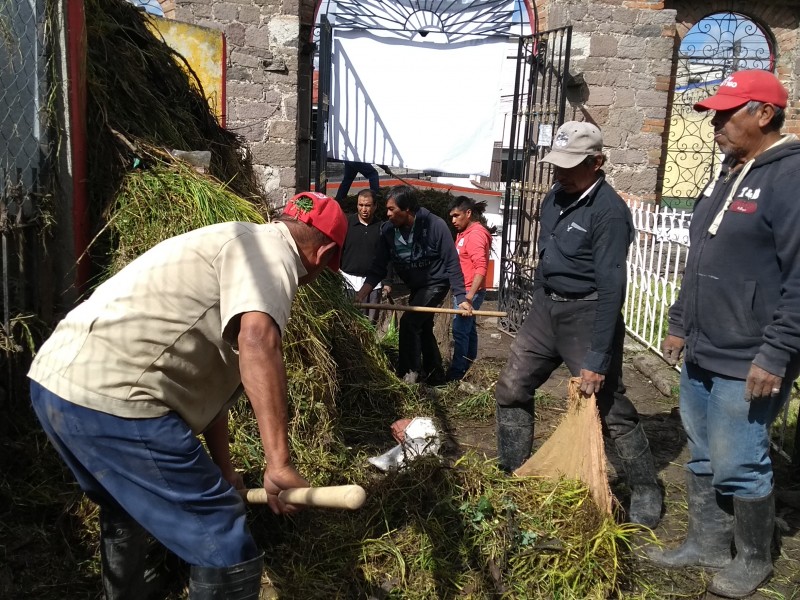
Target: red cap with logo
<point>323,213</point>
<point>741,87</point>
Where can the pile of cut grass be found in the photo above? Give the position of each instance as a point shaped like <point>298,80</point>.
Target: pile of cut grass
<point>433,530</point>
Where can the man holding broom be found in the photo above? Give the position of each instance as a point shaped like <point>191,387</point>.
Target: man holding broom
<point>737,322</point>
<point>575,316</point>
<point>155,357</point>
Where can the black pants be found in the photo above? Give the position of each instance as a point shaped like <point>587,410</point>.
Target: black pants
<point>556,332</point>
<point>417,347</point>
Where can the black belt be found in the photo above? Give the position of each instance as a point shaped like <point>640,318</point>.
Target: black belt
<point>556,297</point>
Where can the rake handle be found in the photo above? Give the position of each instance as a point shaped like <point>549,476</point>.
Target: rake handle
<point>430,309</point>
<point>349,497</point>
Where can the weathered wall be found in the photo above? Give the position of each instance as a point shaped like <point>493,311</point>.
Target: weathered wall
<point>624,51</point>
<point>263,73</point>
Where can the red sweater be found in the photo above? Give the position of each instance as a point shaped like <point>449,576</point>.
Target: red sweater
<point>473,245</point>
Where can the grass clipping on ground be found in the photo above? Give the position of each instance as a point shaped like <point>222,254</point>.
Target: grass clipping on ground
<point>436,529</point>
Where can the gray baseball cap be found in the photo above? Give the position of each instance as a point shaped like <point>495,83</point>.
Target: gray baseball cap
<point>574,141</point>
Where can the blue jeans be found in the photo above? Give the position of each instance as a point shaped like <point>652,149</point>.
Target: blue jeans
<point>728,436</point>
<point>465,339</point>
<point>157,472</point>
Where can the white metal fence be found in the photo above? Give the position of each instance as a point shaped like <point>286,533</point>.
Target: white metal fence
<point>656,261</point>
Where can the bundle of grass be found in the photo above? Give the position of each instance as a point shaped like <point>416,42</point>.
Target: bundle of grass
<point>140,91</point>
<point>165,199</point>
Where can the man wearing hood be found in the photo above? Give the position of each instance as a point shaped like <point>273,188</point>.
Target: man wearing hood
<point>737,322</point>
<point>420,248</point>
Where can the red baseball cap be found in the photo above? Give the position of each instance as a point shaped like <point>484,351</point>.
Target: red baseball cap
<point>323,213</point>
<point>742,86</point>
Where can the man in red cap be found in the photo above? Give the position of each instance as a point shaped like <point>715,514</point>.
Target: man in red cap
<point>154,358</point>
<point>737,322</point>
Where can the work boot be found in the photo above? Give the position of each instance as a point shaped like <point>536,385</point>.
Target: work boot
<point>123,548</point>
<point>514,436</point>
<point>708,541</point>
<point>238,582</point>
<point>646,496</point>
<point>753,527</point>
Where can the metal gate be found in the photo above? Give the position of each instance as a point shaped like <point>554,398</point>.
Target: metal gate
<point>538,109</point>
<point>712,49</point>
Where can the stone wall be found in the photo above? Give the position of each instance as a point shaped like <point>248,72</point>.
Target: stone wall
<point>263,42</point>
<point>624,52</point>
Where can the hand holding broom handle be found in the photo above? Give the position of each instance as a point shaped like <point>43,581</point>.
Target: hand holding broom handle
<point>430,309</point>
<point>349,497</point>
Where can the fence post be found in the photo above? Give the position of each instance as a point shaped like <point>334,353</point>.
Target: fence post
<point>76,117</point>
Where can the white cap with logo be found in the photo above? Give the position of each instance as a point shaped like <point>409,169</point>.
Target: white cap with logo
<point>575,140</point>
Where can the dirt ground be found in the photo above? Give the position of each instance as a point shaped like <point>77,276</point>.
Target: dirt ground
<point>661,420</point>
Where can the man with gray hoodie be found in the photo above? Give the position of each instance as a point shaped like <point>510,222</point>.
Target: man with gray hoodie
<point>737,322</point>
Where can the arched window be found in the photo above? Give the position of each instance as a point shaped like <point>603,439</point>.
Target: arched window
<point>712,49</point>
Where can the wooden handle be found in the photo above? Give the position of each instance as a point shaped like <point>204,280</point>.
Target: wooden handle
<point>333,496</point>
<point>431,309</point>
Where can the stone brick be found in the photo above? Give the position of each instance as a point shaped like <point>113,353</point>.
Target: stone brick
<point>245,59</point>
<point>202,11</point>
<point>234,33</point>
<point>601,96</point>
<point>288,177</point>
<point>655,112</point>
<point>632,47</point>
<point>620,156</point>
<point>603,45</point>
<point>644,141</point>
<point>285,130</point>
<point>246,90</point>
<point>223,11</point>
<point>647,31</point>
<point>284,30</point>
<point>651,98</point>
<point>255,110</point>
<point>239,73</point>
<point>660,48</point>
<point>274,154</point>
<point>258,37</point>
<point>614,137</point>
<point>290,7</point>
<point>624,15</point>
<point>290,107</point>
<point>254,131</point>
<point>184,13</point>
<point>250,15</point>
<point>625,97</point>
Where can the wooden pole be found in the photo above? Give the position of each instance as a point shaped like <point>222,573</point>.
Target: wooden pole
<point>431,309</point>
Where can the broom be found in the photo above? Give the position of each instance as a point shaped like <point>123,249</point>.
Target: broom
<point>575,449</point>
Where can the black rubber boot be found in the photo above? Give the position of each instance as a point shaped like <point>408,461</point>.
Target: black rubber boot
<point>123,548</point>
<point>238,582</point>
<point>753,527</point>
<point>514,436</point>
<point>646,496</point>
<point>708,541</point>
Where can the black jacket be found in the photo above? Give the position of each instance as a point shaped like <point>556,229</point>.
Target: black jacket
<point>359,245</point>
<point>739,301</point>
<point>433,261</point>
<point>582,249</point>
